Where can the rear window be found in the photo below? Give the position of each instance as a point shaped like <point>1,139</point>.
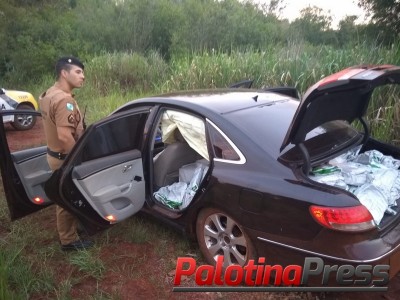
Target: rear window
<point>327,138</point>
<point>221,147</point>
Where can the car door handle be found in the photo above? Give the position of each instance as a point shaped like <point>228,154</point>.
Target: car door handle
<point>126,168</point>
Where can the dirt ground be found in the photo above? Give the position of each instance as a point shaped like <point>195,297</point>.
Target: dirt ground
<point>122,259</point>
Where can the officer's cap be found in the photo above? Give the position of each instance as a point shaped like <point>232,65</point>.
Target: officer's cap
<point>69,60</point>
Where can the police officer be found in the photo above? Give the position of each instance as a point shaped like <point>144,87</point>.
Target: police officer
<point>63,126</point>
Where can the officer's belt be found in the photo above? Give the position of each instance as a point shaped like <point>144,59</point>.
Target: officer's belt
<point>57,155</point>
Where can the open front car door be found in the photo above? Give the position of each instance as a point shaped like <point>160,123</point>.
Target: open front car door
<point>24,168</point>
<point>101,181</point>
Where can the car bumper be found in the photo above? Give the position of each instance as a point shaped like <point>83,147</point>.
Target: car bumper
<point>353,249</point>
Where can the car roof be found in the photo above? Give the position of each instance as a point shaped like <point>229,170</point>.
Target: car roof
<point>220,101</point>
<point>243,109</point>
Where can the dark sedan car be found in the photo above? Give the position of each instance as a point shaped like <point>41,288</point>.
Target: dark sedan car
<point>248,173</point>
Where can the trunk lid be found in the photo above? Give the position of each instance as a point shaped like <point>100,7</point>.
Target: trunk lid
<point>341,96</point>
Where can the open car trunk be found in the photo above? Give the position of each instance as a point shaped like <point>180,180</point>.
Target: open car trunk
<point>369,169</point>
<point>371,173</point>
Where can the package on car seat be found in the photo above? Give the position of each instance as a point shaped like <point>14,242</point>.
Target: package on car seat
<point>179,194</point>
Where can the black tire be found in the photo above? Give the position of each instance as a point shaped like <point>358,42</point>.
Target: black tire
<point>219,234</point>
<point>24,122</point>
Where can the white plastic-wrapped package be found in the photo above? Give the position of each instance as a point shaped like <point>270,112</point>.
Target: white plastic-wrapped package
<point>171,195</point>
<point>192,187</point>
<point>179,194</point>
<point>372,176</point>
<point>373,199</point>
<point>186,172</point>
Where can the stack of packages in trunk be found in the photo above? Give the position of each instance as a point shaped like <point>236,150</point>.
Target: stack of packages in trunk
<point>373,177</point>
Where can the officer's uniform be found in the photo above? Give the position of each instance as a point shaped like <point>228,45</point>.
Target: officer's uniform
<point>59,109</point>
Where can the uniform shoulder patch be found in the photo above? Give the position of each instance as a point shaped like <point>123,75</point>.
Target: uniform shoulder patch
<point>70,106</point>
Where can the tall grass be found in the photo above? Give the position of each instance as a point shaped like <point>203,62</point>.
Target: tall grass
<point>124,72</point>
<point>18,278</point>
<point>5,291</point>
<point>115,78</point>
<point>298,65</point>
<point>384,114</point>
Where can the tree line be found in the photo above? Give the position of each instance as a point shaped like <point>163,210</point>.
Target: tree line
<point>35,32</point>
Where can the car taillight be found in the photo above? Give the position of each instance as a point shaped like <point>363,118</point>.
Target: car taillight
<point>355,218</point>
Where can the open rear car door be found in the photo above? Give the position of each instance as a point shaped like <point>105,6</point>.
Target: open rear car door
<point>101,181</point>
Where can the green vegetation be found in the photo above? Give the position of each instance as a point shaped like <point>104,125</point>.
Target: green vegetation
<point>113,79</point>
<point>88,262</point>
<point>32,266</point>
<point>35,33</point>
<point>19,277</point>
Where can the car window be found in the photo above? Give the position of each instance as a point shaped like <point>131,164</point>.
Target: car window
<point>190,127</point>
<point>326,138</point>
<point>116,136</point>
<point>221,147</point>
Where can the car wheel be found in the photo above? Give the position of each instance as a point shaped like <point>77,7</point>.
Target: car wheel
<point>219,234</point>
<point>24,122</point>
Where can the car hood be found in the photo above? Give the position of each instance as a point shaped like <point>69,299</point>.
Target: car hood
<point>341,96</point>
<point>19,96</point>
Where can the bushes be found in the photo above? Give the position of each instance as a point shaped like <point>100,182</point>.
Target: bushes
<point>125,72</point>
<point>35,33</point>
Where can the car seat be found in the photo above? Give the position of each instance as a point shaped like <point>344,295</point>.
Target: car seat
<point>168,162</point>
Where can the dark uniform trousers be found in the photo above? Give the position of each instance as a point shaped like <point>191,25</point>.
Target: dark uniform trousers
<point>66,223</point>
